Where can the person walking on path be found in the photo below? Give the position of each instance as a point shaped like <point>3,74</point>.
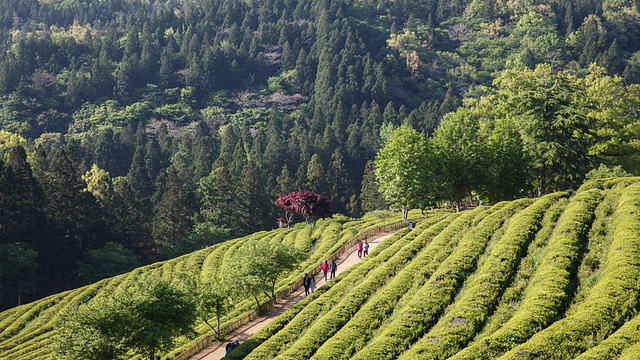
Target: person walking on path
<point>332,268</point>
<point>325,268</point>
<point>312,284</point>
<point>360,246</point>
<point>365,249</point>
<point>307,284</point>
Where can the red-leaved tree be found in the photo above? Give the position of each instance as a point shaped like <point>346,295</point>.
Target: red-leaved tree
<point>310,205</point>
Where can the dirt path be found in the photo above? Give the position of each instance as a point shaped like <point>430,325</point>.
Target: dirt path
<point>216,350</point>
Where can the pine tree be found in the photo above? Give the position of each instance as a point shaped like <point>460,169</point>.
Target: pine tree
<point>173,215</point>
<point>340,183</point>
<point>255,208</point>
<point>316,177</point>
<point>370,197</point>
<point>217,197</point>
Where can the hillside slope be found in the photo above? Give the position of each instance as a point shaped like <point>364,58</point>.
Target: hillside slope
<point>553,277</point>
<point>27,331</point>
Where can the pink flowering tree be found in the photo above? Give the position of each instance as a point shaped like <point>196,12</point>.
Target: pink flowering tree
<point>311,206</point>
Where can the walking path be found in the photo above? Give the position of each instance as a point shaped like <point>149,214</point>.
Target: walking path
<point>216,350</point>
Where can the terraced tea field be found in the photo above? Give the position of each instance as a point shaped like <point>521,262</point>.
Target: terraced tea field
<point>548,278</point>
<point>27,331</point>
<point>553,278</point>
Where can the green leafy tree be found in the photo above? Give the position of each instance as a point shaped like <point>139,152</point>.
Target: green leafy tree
<point>370,196</point>
<point>214,298</point>
<point>216,194</point>
<point>402,169</point>
<point>144,317</point>
<point>551,114</point>
<point>316,174</point>
<point>508,166</point>
<point>603,171</point>
<point>174,214</point>
<point>18,271</point>
<point>256,267</point>
<point>340,181</point>
<point>460,156</point>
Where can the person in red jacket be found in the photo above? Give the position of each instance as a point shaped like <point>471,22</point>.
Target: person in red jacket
<point>325,268</point>
<point>360,245</point>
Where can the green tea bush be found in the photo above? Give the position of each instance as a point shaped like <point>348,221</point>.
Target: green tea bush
<point>547,294</point>
<point>612,300</point>
<point>420,313</point>
<point>482,292</point>
<point>360,328</point>
<point>512,296</point>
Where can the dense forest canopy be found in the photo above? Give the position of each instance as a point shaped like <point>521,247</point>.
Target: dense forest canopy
<point>134,131</point>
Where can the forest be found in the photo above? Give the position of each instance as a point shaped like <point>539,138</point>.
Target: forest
<point>137,131</point>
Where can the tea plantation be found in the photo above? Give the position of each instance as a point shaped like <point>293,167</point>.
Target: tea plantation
<point>28,331</point>
<point>555,277</point>
<point>548,278</point>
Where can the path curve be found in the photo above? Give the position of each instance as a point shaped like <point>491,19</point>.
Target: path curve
<point>216,350</point>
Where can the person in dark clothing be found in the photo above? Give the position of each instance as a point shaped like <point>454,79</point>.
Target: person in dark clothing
<point>332,268</point>
<point>231,345</point>
<point>307,284</point>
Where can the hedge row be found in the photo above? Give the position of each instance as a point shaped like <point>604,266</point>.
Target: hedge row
<point>613,298</point>
<point>48,318</point>
<point>280,322</point>
<point>284,338</point>
<point>27,330</point>
<point>513,295</point>
<point>327,325</point>
<point>631,353</point>
<point>420,313</point>
<point>360,328</point>
<point>599,241</point>
<point>366,319</point>
<point>613,346</point>
<point>546,295</point>
<point>354,335</point>
<point>382,252</point>
<point>482,292</point>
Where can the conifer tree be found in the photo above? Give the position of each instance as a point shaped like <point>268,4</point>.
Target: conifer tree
<point>316,174</point>
<point>340,183</point>
<point>173,214</point>
<point>370,197</point>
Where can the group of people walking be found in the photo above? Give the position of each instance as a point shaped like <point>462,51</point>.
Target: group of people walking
<point>327,267</point>
<point>363,249</point>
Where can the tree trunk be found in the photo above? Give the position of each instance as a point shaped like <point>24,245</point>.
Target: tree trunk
<point>405,214</point>
<point>258,303</point>
<point>211,327</point>
<point>273,291</point>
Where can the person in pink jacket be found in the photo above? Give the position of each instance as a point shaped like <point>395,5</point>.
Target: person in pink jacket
<point>360,245</point>
<point>325,268</point>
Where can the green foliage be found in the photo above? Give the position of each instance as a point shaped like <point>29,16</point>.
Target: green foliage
<point>553,122</point>
<point>257,266</point>
<point>423,309</point>
<point>402,170</point>
<point>463,319</point>
<point>547,293</point>
<point>107,261</point>
<point>460,156</point>
<point>144,317</point>
<point>603,171</point>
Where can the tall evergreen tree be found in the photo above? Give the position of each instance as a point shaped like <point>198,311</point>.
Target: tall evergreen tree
<point>173,215</point>
<point>370,197</point>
